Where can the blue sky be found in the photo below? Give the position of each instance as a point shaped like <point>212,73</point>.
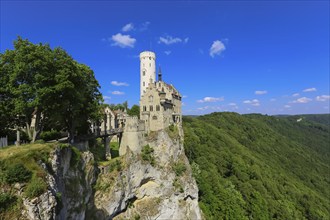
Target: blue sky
<point>269,57</point>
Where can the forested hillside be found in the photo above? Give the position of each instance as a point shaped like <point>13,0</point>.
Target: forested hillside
<point>259,167</point>
<point>318,118</point>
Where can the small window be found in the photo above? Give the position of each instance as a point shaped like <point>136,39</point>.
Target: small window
<point>151,108</point>
<point>144,84</point>
<point>154,117</point>
<point>144,108</point>
<point>151,98</point>
<point>149,58</point>
<point>144,72</point>
<point>157,108</point>
<point>149,64</point>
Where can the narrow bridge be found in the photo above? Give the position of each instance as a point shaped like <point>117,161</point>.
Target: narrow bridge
<point>110,132</point>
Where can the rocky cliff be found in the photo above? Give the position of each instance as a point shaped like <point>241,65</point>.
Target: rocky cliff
<point>70,177</point>
<point>154,183</point>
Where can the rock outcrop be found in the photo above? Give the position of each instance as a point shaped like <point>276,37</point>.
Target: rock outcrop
<point>70,177</point>
<point>153,182</point>
<point>162,189</point>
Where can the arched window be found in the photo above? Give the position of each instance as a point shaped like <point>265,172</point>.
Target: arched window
<point>154,117</point>
<point>151,98</point>
<point>151,108</point>
<point>157,108</point>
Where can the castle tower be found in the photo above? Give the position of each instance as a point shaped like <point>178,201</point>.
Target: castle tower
<point>147,70</point>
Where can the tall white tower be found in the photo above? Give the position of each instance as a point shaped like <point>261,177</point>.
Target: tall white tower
<point>147,70</point>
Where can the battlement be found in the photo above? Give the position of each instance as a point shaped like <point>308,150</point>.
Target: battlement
<point>133,124</point>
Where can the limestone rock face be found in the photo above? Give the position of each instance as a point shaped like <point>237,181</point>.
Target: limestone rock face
<point>153,181</point>
<point>42,207</point>
<point>145,191</point>
<point>69,187</point>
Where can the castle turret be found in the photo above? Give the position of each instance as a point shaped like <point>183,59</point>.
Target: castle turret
<point>147,70</point>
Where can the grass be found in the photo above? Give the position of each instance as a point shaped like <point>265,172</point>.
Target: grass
<point>114,149</point>
<point>20,151</point>
<point>106,180</point>
<point>22,164</point>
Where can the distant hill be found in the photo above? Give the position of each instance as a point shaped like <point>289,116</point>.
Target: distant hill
<point>260,167</point>
<point>318,118</point>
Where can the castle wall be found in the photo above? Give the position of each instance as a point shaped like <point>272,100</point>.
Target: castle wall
<point>151,110</point>
<point>132,136</point>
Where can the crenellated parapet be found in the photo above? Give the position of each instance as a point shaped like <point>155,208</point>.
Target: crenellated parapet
<point>134,124</point>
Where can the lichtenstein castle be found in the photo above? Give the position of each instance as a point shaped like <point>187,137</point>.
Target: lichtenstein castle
<point>160,106</point>
<point>160,103</point>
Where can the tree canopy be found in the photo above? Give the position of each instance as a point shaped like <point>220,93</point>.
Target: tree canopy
<point>259,167</point>
<point>50,84</point>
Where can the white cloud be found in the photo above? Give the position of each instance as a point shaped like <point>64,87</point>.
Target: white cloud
<point>310,90</point>
<point>262,92</point>
<point>287,106</point>
<point>295,94</point>
<point>272,100</point>
<point>116,83</point>
<point>106,99</point>
<point>123,40</point>
<point>169,40</point>
<point>210,99</point>
<point>186,40</point>
<point>117,93</point>
<point>302,100</point>
<point>167,52</point>
<point>233,105</point>
<point>128,27</point>
<point>203,108</point>
<point>217,48</point>
<point>323,98</point>
<point>184,96</point>
<point>144,26</point>
<point>254,102</point>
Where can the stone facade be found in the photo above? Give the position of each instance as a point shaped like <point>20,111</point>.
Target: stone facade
<point>110,120</point>
<point>133,135</point>
<point>160,103</point>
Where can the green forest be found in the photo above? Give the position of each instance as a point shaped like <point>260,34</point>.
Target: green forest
<point>260,167</point>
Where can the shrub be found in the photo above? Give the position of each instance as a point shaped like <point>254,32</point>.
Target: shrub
<point>50,135</point>
<point>59,205</point>
<point>115,165</point>
<point>6,201</point>
<point>36,187</point>
<point>75,157</point>
<point>17,173</point>
<point>147,154</point>
<point>179,168</point>
<point>39,141</point>
<point>63,146</point>
<point>173,131</point>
